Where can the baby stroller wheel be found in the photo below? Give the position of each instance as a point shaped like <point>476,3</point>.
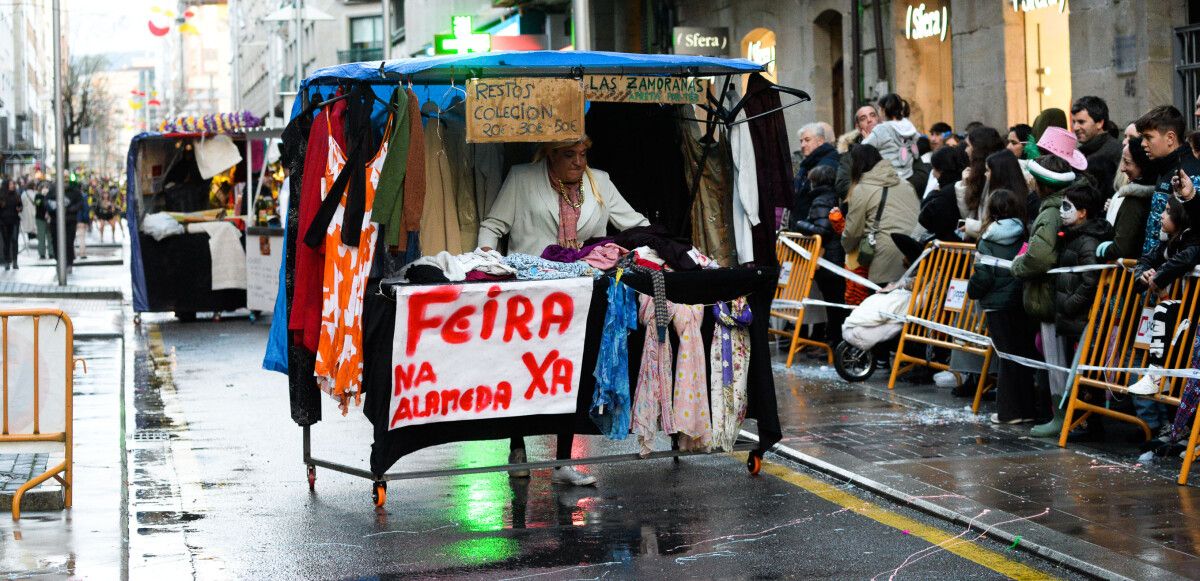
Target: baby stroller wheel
<point>852,363</point>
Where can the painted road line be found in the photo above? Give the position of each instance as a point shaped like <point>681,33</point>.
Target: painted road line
<point>951,543</point>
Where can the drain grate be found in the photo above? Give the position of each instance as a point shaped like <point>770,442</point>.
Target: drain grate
<point>151,436</point>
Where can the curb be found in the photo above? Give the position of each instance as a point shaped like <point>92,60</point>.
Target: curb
<point>37,500</point>
<point>910,492</point>
<point>37,291</point>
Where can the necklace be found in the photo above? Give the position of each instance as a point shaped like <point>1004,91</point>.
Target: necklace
<point>562,191</point>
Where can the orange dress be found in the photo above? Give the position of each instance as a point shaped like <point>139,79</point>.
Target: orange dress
<point>339,365</point>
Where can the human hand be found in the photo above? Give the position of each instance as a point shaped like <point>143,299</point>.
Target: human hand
<point>1182,185</point>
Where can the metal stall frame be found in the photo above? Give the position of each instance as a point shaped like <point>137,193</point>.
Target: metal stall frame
<point>447,70</point>
<point>63,472</point>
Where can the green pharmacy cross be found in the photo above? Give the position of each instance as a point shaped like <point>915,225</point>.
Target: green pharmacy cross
<point>462,38</point>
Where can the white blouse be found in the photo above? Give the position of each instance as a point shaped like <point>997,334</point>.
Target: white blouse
<point>527,210</point>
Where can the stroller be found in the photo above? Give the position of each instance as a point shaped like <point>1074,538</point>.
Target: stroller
<point>870,334</point>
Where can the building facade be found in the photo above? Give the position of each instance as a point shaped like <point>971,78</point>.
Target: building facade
<point>26,84</point>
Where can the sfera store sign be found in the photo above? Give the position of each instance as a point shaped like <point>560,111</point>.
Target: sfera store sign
<point>920,23</point>
<point>702,41</point>
<point>1031,5</point>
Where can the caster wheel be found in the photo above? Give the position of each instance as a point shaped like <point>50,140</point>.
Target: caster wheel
<point>137,319</point>
<point>379,494</point>
<point>853,364</point>
<point>754,463</point>
<point>312,478</point>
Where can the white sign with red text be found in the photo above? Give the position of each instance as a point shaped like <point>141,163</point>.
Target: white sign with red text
<point>485,351</point>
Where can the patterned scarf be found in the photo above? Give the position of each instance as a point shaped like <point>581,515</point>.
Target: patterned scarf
<point>568,215</point>
<point>730,315</point>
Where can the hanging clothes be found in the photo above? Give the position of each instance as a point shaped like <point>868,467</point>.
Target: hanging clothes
<point>745,190</point>
<point>652,402</point>
<point>773,159</point>
<point>610,401</point>
<point>730,358</point>
<point>690,407</point>
<point>458,152</point>
<point>405,218</point>
<point>712,208</point>
<point>439,219</point>
<point>339,353</point>
<point>390,193</point>
<point>305,319</point>
<point>640,148</point>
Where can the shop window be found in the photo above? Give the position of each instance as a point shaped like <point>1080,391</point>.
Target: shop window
<point>1047,59</point>
<point>759,47</point>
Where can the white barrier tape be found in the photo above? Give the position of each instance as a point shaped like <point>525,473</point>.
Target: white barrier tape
<point>816,303</point>
<point>1007,265</point>
<point>846,274</point>
<point>1188,373</point>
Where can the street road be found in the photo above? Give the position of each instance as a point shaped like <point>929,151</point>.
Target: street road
<point>219,490</point>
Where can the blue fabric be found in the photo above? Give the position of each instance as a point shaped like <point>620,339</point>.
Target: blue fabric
<point>137,273</point>
<point>1158,204</point>
<point>612,364</point>
<point>536,268</point>
<point>441,70</point>
<point>276,358</point>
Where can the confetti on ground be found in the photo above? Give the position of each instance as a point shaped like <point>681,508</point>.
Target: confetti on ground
<point>1016,541</point>
<point>906,532</point>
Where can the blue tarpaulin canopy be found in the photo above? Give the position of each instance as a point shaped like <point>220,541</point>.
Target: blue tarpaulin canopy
<point>440,70</point>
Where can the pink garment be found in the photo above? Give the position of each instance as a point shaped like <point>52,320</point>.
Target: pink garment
<point>680,405</point>
<point>605,256</point>
<point>568,218</point>
<point>479,275</point>
<point>691,379</point>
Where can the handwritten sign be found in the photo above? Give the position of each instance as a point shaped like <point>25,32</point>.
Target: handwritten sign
<point>956,295</point>
<point>485,351</point>
<point>1144,328</point>
<point>524,109</point>
<point>623,89</point>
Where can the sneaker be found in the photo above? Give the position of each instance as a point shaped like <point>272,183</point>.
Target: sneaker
<point>517,457</point>
<point>569,475</point>
<point>1147,385</point>
<point>1012,422</point>
<point>946,379</point>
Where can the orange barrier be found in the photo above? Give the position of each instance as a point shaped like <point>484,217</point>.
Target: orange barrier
<point>939,296</point>
<point>1117,336</point>
<point>795,282</point>
<point>9,431</point>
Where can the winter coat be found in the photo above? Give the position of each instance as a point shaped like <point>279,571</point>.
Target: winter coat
<point>1042,255</point>
<point>816,222</point>
<point>1181,158</point>
<point>1172,260</point>
<point>28,207</point>
<point>994,287</point>
<point>897,143</point>
<point>1130,206</point>
<point>825,155</point>
<point>842,185</point>
<point>1103,155</point>
<point>10,208</point>
<point>940,214</point>
<point>899,217</point>
<point>1074,292</point>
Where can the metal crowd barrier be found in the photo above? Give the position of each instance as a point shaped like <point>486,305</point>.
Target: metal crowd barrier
<point>796,273</point>
<point>1117,340</point>
<point>939,296</point>
<point>26,397</point>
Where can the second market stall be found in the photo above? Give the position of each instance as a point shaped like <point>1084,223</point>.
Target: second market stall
<point>394,164</point>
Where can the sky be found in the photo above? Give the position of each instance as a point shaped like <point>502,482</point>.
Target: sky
<point>110,26</point>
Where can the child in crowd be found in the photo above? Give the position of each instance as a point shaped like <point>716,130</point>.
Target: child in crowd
<point>818,223</point>
<point>1156,272</point>
<point>1018,399</point>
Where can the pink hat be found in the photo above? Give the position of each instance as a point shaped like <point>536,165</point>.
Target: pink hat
<point>1062,143</point>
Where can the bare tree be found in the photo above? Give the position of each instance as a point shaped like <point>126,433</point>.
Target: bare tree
<point>86,100</point>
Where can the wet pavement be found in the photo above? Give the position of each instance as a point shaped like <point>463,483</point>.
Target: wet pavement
<point>218,489</point>
<point>1094,495</point>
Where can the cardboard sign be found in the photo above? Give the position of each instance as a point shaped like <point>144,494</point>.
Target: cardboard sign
<point>1145,326</point>
<point>485,351</point>
<point>956,295</point>
<point>623,89</point>
<point>524,109</point>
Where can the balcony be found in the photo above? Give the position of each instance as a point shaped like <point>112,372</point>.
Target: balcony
<point>355,55</point>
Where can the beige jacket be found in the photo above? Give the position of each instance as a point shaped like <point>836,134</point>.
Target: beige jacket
<point>527,210</point>
<point>899,217</point>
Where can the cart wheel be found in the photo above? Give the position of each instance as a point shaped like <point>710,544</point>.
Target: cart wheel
<point>312,478</point>
<point>379,494</point>
<point>754,463</point>
<point>185,317</point>
<point>137,319</point>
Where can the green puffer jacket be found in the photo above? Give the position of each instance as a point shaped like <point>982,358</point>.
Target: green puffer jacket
<point>1041,256</point>
<point>994,287</point>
